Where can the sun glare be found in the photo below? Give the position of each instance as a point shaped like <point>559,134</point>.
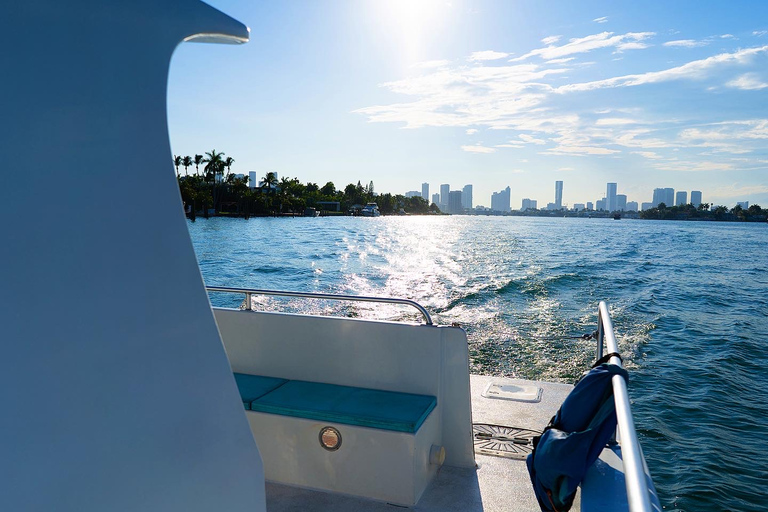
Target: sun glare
<point>413,26</point>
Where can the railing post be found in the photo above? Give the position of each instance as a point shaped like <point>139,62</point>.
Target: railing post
<point>600,334</point>
<point>248,304</point>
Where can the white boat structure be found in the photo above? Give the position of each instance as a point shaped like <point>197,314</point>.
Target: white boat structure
<point>370,210</point>
<point>124,390</point>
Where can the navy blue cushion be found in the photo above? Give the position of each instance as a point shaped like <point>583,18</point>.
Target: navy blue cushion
<point>388,410</point>
<point>252,387</point>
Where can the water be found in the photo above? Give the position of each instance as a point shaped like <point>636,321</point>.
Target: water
<point>689,302</point>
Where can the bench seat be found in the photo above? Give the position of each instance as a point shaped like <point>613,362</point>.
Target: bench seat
<point>387,410</point>
<point>252,387</point>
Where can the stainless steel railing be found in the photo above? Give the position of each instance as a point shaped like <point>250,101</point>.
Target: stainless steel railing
<point>250,292</point>
<point>638,492</point>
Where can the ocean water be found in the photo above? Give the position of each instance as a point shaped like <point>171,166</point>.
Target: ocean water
<point>689,302</point>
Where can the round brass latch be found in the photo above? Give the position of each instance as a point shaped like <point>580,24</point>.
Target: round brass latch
<point>330,439</point>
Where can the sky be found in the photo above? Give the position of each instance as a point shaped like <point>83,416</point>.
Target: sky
<point>499,93</point>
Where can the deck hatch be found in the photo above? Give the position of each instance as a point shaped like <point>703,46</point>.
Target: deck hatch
<point>502,441</point>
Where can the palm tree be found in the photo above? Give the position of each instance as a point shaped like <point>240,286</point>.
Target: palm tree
<point>198,160</point>
<point>269,181</point>
<point>177,163</point>
<point>186,162</point>
<point>213,165</point>
<point>228,163</point>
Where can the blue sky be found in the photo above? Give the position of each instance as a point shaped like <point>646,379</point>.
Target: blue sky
<point>492,93</point>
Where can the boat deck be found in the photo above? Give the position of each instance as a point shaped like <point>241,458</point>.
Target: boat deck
<point>497,484</point>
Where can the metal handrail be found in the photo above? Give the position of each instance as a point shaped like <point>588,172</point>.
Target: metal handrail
<point>638,493</point>
<point>249,292</point>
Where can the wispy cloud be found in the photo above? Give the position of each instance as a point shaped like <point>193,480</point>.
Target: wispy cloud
<point>471,131</point>
<point>478,149</point>
<point>430,64</point>
<point>551,40</point>
<point>488,55</point>
<point>588,44</point>
<point>760,33</point>
<point>748,82</point>
<point>603,19</point>
<point>531,140</point>
<point>686,43</point>
<point>648,154</point>
<point>696,69</point>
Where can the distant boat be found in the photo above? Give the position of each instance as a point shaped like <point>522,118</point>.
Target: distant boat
<point>311,212</point>
<point>617,216</point>
<point>370,210</point>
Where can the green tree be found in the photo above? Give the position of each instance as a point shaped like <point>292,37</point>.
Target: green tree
<point>198,160</point>
<point>228,163</point>
<point>269,182</point>
<point>186,162</point>
<point>177,163</point>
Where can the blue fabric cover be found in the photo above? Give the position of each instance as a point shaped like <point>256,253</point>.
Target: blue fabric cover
<point>388,410</point>
<point>252,387</point>
<point>574,439</point>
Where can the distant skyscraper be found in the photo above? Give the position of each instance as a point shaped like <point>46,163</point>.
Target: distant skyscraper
<point>466,197</point>
<point>696,197</point>
<point>253,181</point>
<point>529,204</point>
<point>681,198</point>
<point>578,207</point>
<point>590,206</point>
<point>444,189</point>
<point>558,195</point>
<point>601,204</point>
<point>610,197</point>
<point>454,202</point>
<point>631,206</point>
<point>663,195</point>
<point>621,202</point>
<point>647,206</point>
<point>743,204</point>
<point>436,199</point>
<point>413,193</point>
<point>500,200</point>
<point>425,191</point>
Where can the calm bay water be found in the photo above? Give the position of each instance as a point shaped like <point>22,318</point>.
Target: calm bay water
<point>689,303</point>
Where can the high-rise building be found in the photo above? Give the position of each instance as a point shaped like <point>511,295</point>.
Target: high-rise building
<point>621,202</point>
<point>744,204</point>
<point>631,206</point>
<point>601,204</point>
<point>436,199</point>
<point>531,204</point>
<point>253,181</point>
<point>444,189</point>
<point>466,197</point>
<point>577,207</point>
<point>681,198</point>
<point>425,191</point>
<point>610,197</point>
<point>647,206</point>
<point>413,193</point>
<point>558,195</point>
<point>454,202</point>
<point>590,206</point>
<point>500,200</point>
<point>663,195</point>
<point>696,198</point>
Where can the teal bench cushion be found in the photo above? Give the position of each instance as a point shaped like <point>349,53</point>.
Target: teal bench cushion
<point>388,410</point>
<point>252,387</point>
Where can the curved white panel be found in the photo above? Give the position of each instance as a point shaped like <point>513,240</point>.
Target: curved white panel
<point>116,392</point>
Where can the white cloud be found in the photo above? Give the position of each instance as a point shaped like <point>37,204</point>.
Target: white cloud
<point>478,149</point>
<point>696,69</point>
<point>685,43</point>
<point>693,166</point>
<point>748,82</point>
<point>471,131</point>
<point>586,44</point>
<point>603,19</point>
<point>531,140</point>
<point>739,191</point>
<point>551,40</point>
<point>631,46</point>
<point>487,55</point>
<point>560,61</point>
<point>648,154</point>
<point>727,36</point>
<point>760,33</point>
<point>580,150</point>
<point>614,121</point>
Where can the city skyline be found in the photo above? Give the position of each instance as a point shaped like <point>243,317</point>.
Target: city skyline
<point>496,93</point>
